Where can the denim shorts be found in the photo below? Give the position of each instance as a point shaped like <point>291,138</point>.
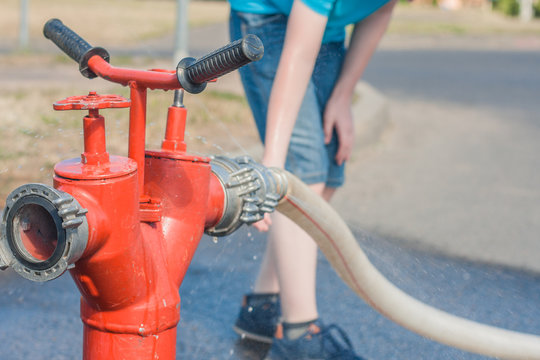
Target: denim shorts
<point>308,156</point>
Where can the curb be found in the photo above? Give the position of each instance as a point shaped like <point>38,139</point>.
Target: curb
<point>371,116</point>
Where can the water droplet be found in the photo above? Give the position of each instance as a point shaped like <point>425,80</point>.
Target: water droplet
<point>217,147</point>
<point>250,309</point>
<point>254,257</point>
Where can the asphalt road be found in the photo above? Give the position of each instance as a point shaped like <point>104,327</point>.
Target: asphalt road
<point>507,81</point>
<point>40,321</point>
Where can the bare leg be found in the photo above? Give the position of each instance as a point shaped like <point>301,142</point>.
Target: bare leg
<point>289,266</point>
<point>267,282</point>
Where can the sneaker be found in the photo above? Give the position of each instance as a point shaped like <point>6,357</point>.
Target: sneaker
<point>258,318</point>
<point>319,342</point>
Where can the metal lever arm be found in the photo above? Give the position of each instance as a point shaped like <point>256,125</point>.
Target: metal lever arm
<point>193,74</point>
<point>73,45</point>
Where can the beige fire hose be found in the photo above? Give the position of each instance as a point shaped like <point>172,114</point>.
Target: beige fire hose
<point>338,244</point>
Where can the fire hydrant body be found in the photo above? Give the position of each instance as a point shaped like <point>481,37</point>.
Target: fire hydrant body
<point>131,271</point>
<point>139,245</point>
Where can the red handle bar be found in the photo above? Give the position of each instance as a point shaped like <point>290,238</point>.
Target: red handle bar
<point>150,78</point>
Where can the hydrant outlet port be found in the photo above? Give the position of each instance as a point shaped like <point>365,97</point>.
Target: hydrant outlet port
<point>34,231</point>
<point>43,232</point>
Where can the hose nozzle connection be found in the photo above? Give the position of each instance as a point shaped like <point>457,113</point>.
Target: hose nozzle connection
<point>251,190</point>
<point>44,231</point>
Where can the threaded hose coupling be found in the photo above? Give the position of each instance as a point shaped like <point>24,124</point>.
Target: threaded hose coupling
<point>251,190</point>
<point>43,232</point>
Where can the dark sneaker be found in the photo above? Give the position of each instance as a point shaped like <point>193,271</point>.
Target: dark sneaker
<point>319,342</point>
<point>258,318</point>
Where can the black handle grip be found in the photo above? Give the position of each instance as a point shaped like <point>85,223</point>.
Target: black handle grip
<point>193,74</point>
<point>73,45</point>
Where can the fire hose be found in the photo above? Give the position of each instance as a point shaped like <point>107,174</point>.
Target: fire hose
<point>338,244</point>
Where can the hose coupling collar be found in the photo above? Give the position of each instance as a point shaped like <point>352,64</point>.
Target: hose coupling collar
<point>43,232</point>
<point>251,190</point>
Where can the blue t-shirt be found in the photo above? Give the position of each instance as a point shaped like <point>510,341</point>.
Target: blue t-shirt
<point>340,13</point>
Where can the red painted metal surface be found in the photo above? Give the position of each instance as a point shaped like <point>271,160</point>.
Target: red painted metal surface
<point>95,152</point>
<point>91,101</point>
<point>152,79</point>
<point>216,203</point>
<point>137,129</point>
<point>131,271</point>
<point>176,127</point>
<point>38,233</point>
<point>182,184</point>
<point>146,215</point>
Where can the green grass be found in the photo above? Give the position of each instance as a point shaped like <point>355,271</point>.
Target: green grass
<point>226,96</point>
<point>12,155</point>
<point>29,132</point>
<point>50,120</point>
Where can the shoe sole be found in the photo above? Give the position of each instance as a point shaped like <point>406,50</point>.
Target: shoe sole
<point>251,336</point>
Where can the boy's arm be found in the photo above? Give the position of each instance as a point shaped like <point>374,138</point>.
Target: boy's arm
<point>305,30</point>
<point>364,40</point>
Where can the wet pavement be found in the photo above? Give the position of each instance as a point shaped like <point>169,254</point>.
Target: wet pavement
<point>40,321</point>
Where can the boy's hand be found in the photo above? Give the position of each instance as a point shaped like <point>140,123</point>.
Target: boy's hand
<point>337,115</point>
<point>264,224</point>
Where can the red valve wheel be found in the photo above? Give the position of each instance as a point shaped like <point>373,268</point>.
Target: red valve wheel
<point>92,101</point>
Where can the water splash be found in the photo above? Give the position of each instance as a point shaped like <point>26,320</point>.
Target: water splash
<point>202,139</point>
<point>217,147</point>
<point>222,125</point>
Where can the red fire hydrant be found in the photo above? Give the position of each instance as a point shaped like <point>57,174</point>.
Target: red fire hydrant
<point>139,245</point>
<point>127,228</point>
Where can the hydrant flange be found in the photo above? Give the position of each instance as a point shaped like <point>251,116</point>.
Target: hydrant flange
<point>43,232</point>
